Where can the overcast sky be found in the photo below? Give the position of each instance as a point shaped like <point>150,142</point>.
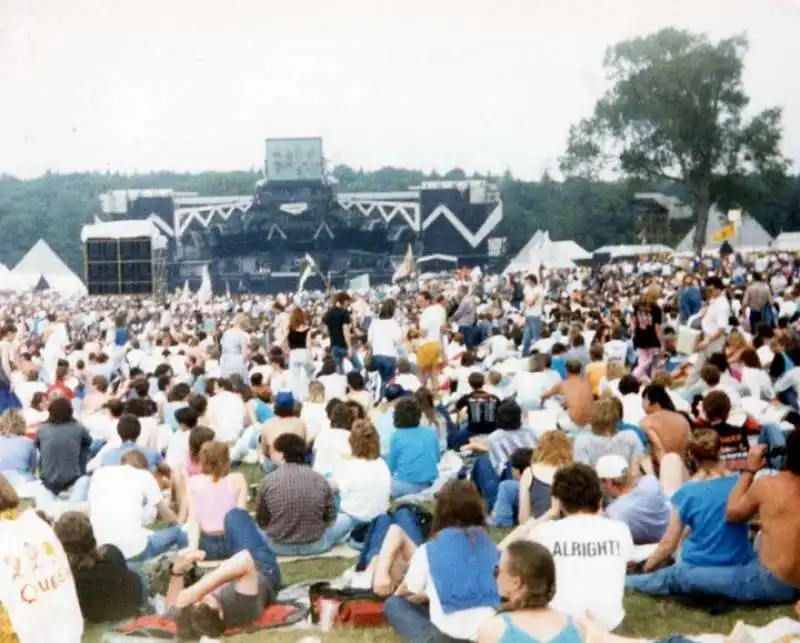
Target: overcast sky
<point>140,85</point>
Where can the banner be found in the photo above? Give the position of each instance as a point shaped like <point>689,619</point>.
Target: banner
<point>725,232</point>
<point>205,293</point>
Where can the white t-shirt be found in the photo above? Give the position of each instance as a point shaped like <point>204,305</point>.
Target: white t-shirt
<point>463,624</point>
<point>119,499</point>
<point>384,336</point>
<point>430,322</point>
<point>591,554</point>
<point>364,486</point>
<point>227,412</point>
<point>408,381</point>
<point>330,447</point>
<point>313,414</point>
<point>717,316</point>
<point>178,449</point>
<point>37,588</point>
<point>335,386</point>
<point>532,292</point>
<point>615,351</point>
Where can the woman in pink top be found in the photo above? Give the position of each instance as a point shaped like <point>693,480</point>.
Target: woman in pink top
<point>212,495</point>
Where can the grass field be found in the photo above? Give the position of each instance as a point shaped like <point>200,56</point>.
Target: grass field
<point>645,617</point>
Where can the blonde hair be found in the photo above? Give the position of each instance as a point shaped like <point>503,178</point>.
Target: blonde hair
<point>605,415</point>
<point>615,371</point>
<point>215,459</point>
<point>554,448</point>
<point>316,392</point>
<point>651,294</point>
<point>12,423</point>
<point>662,378</point>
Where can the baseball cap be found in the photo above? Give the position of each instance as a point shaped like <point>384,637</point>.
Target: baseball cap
<point>394,392</point>
<point>611,466</point>
<point>284,399</point>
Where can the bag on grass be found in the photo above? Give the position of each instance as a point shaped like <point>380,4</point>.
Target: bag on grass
<point>353,607</point>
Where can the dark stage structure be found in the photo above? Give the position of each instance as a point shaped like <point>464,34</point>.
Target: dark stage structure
<point>257,243</point>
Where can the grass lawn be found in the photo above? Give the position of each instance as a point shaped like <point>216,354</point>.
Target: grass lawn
<point>645,617</point>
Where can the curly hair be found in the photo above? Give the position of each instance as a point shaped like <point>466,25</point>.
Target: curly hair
<point>577,488</point>
<point>75,532</point>
<point>364,441</point>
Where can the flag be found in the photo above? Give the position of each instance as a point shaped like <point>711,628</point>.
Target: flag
<point>205,293</point>
<point>406,268</point>
<point>309,268</point>
<point>725,232</point>
<point>227,289</point>
<point>359,284</point>
<point>187,293</point>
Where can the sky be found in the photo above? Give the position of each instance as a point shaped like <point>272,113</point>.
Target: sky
<point>486,85</point>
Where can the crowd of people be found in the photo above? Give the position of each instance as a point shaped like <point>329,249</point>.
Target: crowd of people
<point>632,425</point>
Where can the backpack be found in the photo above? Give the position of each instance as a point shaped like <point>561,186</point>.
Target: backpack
<point>353,607</point>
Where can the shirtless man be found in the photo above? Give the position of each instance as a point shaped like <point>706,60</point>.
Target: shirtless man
<point>578,398</point>
<point>667,430</point>
<point>775,577</point>
<point>285,421</point>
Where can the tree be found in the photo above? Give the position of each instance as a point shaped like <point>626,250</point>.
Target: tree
<point>675,112</point>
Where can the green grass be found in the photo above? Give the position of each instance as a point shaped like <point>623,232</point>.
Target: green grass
<point>645,617</point>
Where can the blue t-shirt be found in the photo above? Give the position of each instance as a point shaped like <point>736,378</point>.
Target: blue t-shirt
<point>559,365</point>
<point>713,541</point>
<point>644,509</point>
<point>414,455</point>
<point>263,412</point>
<point>114,456</point>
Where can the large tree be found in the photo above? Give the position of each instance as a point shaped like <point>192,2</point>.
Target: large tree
<point>675,110</point>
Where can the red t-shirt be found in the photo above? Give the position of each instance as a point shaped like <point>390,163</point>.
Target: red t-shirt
<point>62,389</point>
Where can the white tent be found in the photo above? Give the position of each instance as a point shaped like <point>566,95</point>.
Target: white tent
<point>541,251</point>
<point>634,250</point>
<point>787,242</point>
<point>40,262</point>
<point>749,233</point>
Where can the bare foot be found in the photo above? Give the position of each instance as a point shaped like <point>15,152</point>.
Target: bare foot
<point>382,583</point>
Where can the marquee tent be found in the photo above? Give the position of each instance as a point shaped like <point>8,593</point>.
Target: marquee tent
<point>41,265</point>
<point>749,233</point>
<point>540,250</point>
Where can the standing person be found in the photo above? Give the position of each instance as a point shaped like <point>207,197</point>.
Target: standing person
<point>298,341</point>
<point>690,299</point>
<point>465,317</point>
<point>715,321</point>
<point>429,352</point>
<point>385,338</point>
<point>648,339</point>
<point>8,399</point>
<point>755,301</point>
<point>534,301</point>
<point>234,345</point>
<point>339,324</point>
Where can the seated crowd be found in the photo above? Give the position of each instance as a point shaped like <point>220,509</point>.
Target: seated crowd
<point>611,478</point>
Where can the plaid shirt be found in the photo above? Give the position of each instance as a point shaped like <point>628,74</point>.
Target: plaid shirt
<point>295,505</point>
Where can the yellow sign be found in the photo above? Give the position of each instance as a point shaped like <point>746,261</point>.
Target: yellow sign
<point>725,232</point>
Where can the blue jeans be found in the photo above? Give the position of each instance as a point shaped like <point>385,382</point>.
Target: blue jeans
<point>506,506</point>
<point>241,533</point>
<point>533,333</point>
<point>400,488</point>
<point>751,583</point>
<point>338,354</point>
<point>471,336</point>
<point>412,622</point>
<point>246,442</point>
<point>79,494</point>
<point>215,547</point>
<point>772,436</point>
<point>486,479</point>
<point>161,541</point>
<point>386,368</point>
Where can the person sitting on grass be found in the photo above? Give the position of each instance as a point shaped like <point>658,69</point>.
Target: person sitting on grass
<point>444,589</point>
<point>713,544</point>
<point>296,507</point>
<point>526,579</point>
<point>107,589</point>
<point>235,594</point>
<point>591,551</point>
<point>604,438</point>
<point>506,506</point>
<point>413,451</point>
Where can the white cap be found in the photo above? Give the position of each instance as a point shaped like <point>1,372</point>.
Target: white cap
<point>611,467</point>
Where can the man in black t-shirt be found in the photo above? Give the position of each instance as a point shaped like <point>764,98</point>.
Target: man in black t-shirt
<point>481,411</point>
<point>339,323</point>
